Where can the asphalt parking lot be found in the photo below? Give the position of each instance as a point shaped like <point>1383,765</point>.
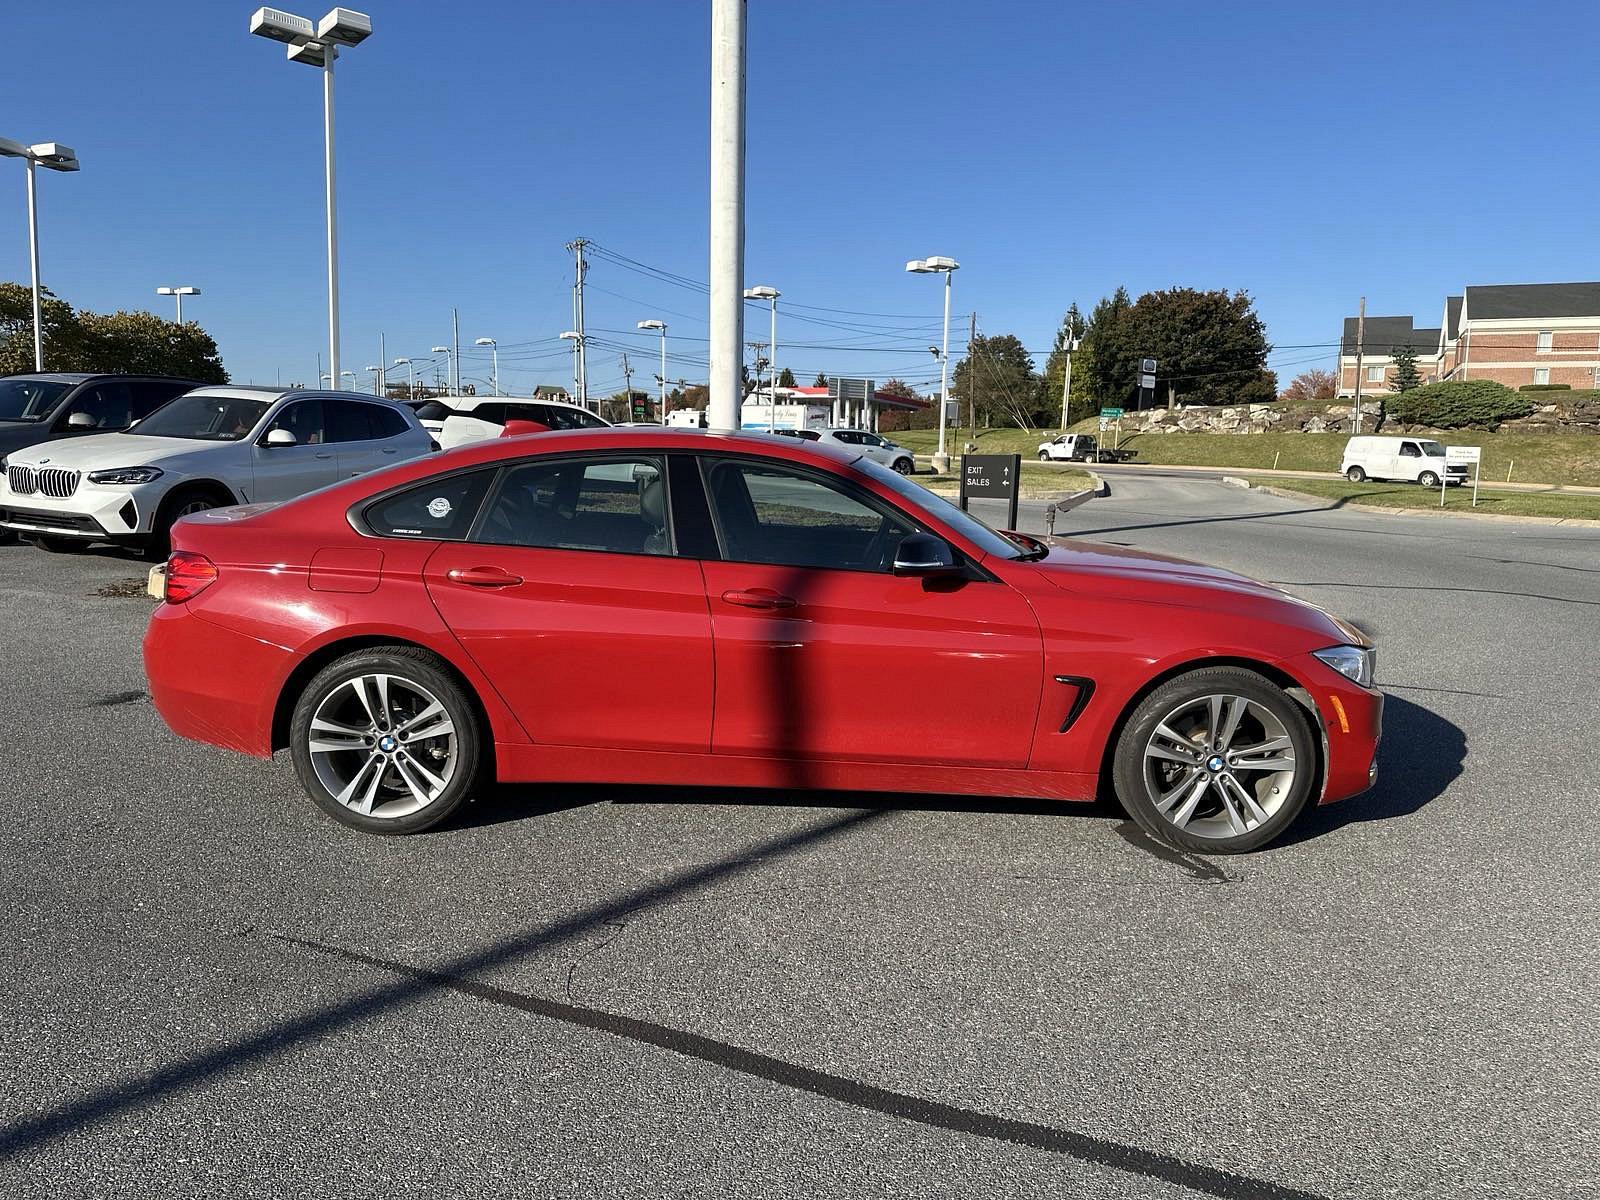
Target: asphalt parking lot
<point>212,989</point>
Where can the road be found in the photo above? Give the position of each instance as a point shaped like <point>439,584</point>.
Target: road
<point>212,989</point>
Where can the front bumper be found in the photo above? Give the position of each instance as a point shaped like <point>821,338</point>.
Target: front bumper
<point>92,512</point>
<point>1352,726</point>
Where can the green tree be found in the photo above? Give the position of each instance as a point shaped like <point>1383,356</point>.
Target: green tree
<point>1105,353</point>
<point>1210,347</point>
<point>1406,377</point>
<point>820,381</point>
<point>898,387</point>
<point>62,337</point>
<point>786,378</point>
<point>998,382</point>
<point>1079,404</point>
<point>143,343</point>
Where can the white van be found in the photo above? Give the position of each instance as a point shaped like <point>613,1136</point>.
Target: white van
<point>1409,459</point>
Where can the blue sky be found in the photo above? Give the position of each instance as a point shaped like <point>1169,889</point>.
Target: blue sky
<point>1306,153</point>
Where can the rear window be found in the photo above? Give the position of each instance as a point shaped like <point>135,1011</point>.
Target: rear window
<point>432,410</point>
<point>442,508</point>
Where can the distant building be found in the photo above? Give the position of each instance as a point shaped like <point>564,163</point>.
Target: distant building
<point>551,391</point>
<point>1513,333</point>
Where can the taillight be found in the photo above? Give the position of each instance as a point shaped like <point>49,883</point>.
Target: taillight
<point>188,575</point>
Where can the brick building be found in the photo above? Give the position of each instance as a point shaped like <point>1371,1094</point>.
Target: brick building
<point>1515,334</point>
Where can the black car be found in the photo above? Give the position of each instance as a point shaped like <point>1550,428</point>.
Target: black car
<point>59,404</point>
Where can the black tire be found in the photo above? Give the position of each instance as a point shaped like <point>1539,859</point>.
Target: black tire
<point>180,503</point>
<point>1428,479</point>
<point>60,545</point>
<point>7,536</point>
<point>411,664</point>
<point>1128,763</point>
<point>905,466</point>
<point>1356,475</point>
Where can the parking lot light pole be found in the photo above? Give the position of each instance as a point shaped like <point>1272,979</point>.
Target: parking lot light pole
<point>318,47</point>
<point>179,293</point>
<point>770,295</point>
<point>411,377</point>
<point>377,374</point>
<point>449,374</point>
<point>494,351</point>
<point>576,338</point>
<point>55,157</point>
<point>661,327</point>
<point>947,267</point>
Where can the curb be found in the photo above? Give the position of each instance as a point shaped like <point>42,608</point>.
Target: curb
<point>1289,494</point>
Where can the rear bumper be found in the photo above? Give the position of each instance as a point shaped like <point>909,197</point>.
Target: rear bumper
<point>213,684</point>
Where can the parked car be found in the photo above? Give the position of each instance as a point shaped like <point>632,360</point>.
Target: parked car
<point>877,448</point>
<point>456,420</point>
<point>212,447</point>
<point>522,609</point>
<point>687,418</point>
<point>1410,459</point>
<point>1080,447</point>
<point>43,407</point>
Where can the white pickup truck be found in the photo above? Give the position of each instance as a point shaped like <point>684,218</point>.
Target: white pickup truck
<point>1079,447</point>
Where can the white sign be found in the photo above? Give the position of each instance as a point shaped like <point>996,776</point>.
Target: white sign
<point>1147,381</point>
<point>1105,424</point>
<point>1463,454</point>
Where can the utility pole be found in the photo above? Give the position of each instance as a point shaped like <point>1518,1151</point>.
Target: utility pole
<point>727,210</point>
<point>627,386</point>
<point>576,246</point>
<point>383,367</point>
<point>760,363</point>
<point>972,403</point>
<point>1361,344</point>
<point>455,358</point>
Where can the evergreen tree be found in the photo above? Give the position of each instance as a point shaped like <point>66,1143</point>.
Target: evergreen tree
<point>1405,370</point>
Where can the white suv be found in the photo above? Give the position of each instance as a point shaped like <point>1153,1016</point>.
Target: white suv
<point>878,449</point>
<point>457,420</point>
<point>210,448</point>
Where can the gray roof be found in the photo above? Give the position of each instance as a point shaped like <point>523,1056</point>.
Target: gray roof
<point>1452,317</point>
<point>1384,334</point>
<point>1514,301</point>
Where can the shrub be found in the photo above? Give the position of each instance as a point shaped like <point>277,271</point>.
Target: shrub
<point>1458,404</point>
<point>1545,387</point>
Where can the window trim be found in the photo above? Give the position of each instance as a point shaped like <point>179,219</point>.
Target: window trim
<point>507,466</point>
<point>1544,342</point>
<point>843,483</point>
<point>1538,371</point>
<point>1381,370</point>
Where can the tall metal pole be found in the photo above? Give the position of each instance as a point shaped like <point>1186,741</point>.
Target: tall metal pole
<point>580,351</point>
<point>455,359</point>
<point>727,209</point>
<point>1066,382</point>
<point>383,367</point>
<point>494,352</point>
<point>772,371</point>
<point>33,261</point>
<point>627,386</point>
<point>180,308</point>
<point>333,231</point>
<point>941,460</point>
<point>663,402</point>
<point>1361,341</point>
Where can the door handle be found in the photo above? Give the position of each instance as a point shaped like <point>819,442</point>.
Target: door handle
<point>391,450</point>
<point>323,456</point>
<point>484,577</point>
<point>759,598</point>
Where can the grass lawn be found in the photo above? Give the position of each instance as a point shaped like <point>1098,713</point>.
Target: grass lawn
<point>1409,495</point>
<point>1530,457</point>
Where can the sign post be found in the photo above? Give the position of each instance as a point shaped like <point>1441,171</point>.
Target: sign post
<point>992,477</point>
<point>1112,417</point>
<point>1463,454</point>
<point>1147,381</point>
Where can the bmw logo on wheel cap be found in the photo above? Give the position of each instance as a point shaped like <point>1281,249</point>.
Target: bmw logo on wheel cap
<point>1214,763</point>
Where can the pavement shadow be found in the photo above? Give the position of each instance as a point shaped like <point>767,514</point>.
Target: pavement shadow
<point>1421,755</point>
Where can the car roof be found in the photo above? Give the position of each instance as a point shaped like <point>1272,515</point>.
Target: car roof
<point>85,376</point>
<point>756,443</point>
<point>468,403</point>
<point>254,391</point>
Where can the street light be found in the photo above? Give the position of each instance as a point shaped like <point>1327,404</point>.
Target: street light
<point>444,350</point>
<point>494,348</point>
<point>319,47</point>
<point>180,293</point>
<point>947,267</point>
<point>576,338</point>
<point>346,375</point>
<point>770,294</point>
<point>411,376</point>
<point>55,157</point>
<point>662,327</point>
<point>377,374</point>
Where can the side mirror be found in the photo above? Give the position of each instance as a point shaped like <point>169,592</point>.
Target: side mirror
<point>82,420</point>
<point>924,555</point>
<point>278,437</point>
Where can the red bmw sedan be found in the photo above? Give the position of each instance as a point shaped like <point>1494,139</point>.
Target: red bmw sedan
<point>676,607</point>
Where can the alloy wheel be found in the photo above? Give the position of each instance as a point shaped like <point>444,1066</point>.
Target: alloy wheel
<point>1219,766</point>
<point>382,745</point>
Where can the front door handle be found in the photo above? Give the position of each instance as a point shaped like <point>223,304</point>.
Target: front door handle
<point>759,598</point>
<point>324,456</point>
<point>484,577</point>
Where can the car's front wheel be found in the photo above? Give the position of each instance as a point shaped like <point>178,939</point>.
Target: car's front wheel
<point>1217,761</point>
<point>60,545</point>
<point>1356,475</point>
<point>1043,457</point>
<point>1428,479</point>
<point>386,740</point>
<point>904,466</point>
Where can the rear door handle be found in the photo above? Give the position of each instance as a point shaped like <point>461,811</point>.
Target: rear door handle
<point>758,598</point>
<point>484,577</point>
<point>324,456</point>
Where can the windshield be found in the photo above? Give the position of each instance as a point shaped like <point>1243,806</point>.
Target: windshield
<point>1432,449</point>
<point>967,525</point>
<point>29,399</point>
<point>204,418</point>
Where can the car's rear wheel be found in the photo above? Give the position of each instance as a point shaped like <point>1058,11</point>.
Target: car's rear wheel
<point>1356,475</point>
<point>386,741</point>
<point>1216,761</point>
<point>904,466</point>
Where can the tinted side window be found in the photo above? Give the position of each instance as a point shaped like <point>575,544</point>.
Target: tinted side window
<point>433,411</point>
<point>618,505</point>
<point>557,417</point>
<point>348,422</point>
<point>386,422</point>
<point>108,405</point>
<point>150,395</point>
<point>438,508</point>
<point>493,413</point>
<point>304,419</point>
<point>770,514</point>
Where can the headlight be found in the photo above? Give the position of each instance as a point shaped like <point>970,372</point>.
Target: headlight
<point>1353,662</point>
<point>125,475</point>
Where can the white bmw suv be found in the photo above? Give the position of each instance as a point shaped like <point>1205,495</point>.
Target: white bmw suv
<point>209,448</point>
